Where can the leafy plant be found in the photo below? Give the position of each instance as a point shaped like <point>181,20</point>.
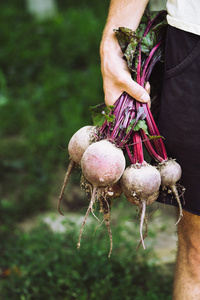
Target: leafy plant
<point>47,82</point>
<point>42,264</point>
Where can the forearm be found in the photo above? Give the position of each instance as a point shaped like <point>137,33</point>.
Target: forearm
<point>115,73</point>
<point>126,13</point>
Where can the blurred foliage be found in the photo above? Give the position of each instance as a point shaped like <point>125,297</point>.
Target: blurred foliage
<point>49,76</point>
<point>46,265</point>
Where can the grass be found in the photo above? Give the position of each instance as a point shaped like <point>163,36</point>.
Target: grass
<point>45,264</point>
<point>38,115</point>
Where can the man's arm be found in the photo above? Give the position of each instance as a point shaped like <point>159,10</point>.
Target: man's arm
<point>115,73</point>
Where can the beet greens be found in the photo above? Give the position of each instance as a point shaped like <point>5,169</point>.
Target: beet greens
<point>127,127</point>
<point>142,50</point>
<point>130,124</point>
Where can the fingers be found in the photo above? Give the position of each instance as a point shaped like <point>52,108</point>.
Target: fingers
<point>113,91</point>
<point>148,89</point>
<point>137,91</point>
<point>117,79</point>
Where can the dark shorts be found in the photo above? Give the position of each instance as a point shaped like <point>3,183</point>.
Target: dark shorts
<point>179,119</point>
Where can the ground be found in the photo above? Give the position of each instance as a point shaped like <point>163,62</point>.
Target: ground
<point>161,224</point>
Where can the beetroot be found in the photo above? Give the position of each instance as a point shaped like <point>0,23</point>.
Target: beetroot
<point>80,141</point>
<point>134,126</point>
<point>140,184</point>
<point>141,66</point>
<point>76,147</point>
<point>124,130</point>
<point>102,165</point>
<point>171,172</point>
<point>105,197</point>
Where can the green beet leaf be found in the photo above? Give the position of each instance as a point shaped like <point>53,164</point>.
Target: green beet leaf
<point>141,124</point>
<point>100,113</point>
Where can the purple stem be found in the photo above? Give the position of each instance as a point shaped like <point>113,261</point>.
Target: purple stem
<point>151,22</point>
<point>138,155</point>
<point>122,118</point>
<point>125,139</point>
<point>139,65</point>
<point>159,144</point>
<point>143,79</point>
<point>149,147</point>
<point>150,67</point>
<point>130,156</point>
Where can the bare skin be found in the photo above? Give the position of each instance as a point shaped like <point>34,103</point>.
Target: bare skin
<point>116,80</point>
<point>187,273</point>
<point>115,73</point>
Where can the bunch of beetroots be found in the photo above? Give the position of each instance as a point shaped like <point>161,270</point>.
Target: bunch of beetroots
<point>111,152</point>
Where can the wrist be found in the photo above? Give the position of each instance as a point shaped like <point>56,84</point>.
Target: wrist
<point>109,44</point>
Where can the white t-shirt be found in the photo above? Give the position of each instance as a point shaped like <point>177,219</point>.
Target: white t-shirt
<point>184,14</point>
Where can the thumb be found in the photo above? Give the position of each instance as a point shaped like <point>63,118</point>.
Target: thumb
<point>136,91</point>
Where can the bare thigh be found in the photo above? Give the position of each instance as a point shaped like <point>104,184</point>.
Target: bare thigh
<point>189,235</point>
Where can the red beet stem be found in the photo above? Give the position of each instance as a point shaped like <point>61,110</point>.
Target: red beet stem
<point>138,155</point>
<point>150,148</point>
<point>153,130</point>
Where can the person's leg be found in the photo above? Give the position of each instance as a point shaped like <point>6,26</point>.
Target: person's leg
<point>187,273</point>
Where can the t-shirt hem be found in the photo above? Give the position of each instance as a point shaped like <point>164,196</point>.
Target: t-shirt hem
<point>192,28</point>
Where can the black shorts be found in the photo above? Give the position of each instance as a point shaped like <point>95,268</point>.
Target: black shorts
<point>179,119</point>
